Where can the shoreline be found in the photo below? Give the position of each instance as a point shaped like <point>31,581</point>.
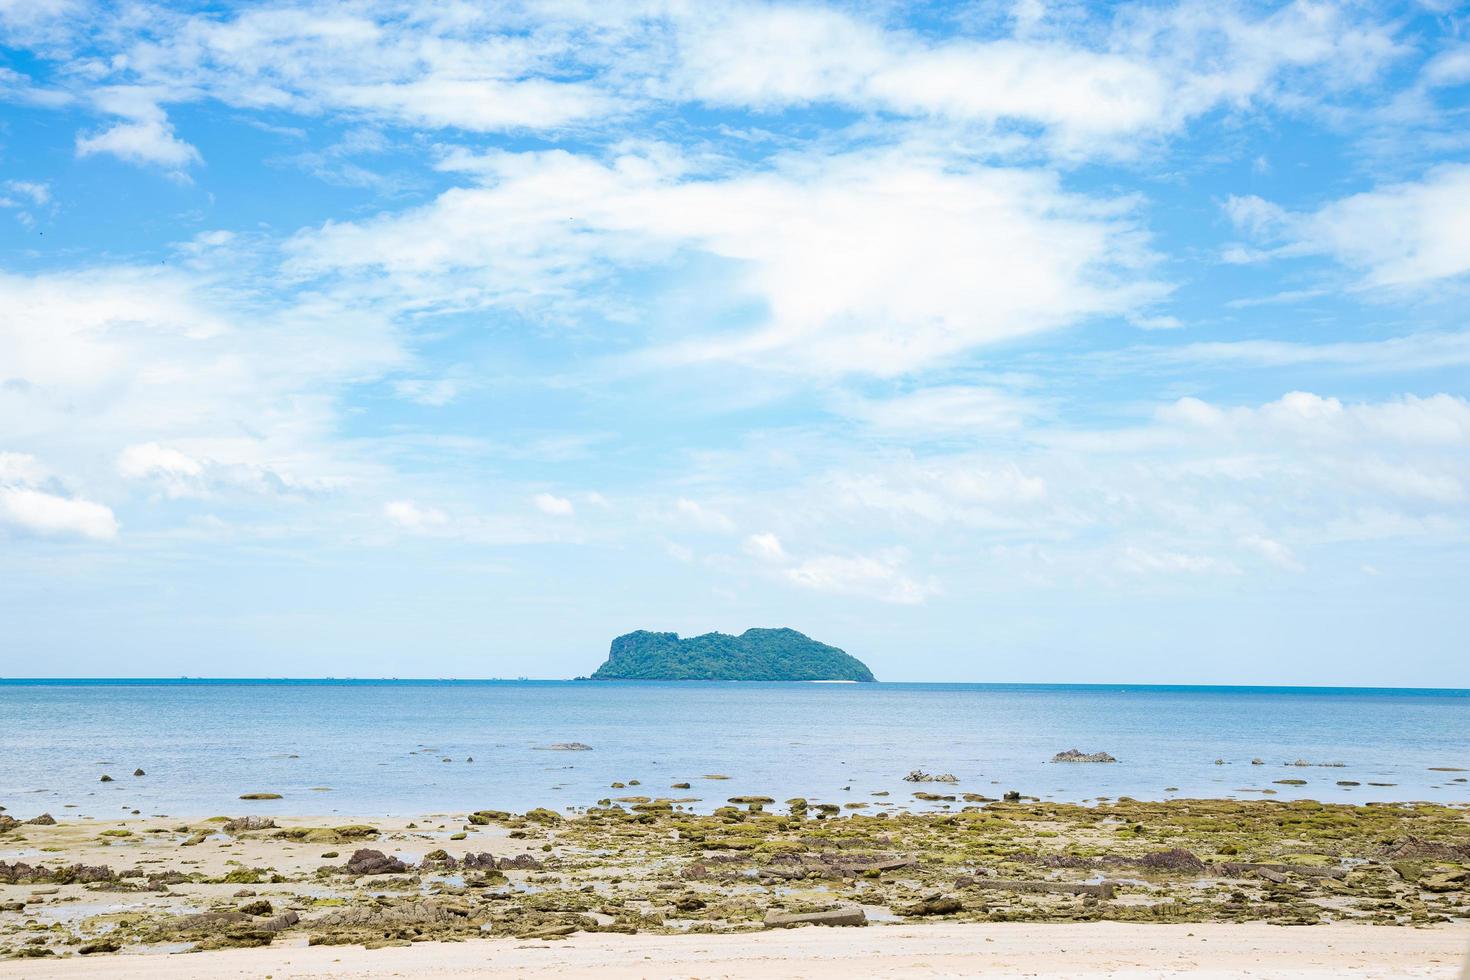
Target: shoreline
<point>1007,951</point>
<point>646,867</point>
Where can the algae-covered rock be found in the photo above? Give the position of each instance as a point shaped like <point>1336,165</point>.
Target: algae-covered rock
<point>1075,755</point>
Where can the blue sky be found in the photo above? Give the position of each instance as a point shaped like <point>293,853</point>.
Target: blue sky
<point>989,341</point>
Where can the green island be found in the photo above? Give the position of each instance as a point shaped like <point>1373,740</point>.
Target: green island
<point>755,655</point>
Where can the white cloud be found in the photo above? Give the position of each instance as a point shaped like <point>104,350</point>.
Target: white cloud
<point>765,546</point>
<point>146,137</point>
<point>24,505</point>
<point>185,378</point>
<point>1401,235</point>
<point>885,263</point>
<point>878,576</point>
<point>1151,561</point>
<point>1273,551</point>
<point>551,504</point>
<point>407,514</point>
<point>45,513</point>
<point>703,517</point>
<point>485,105</point>
<point>1148,72</point>
<point>36,192</point>
<point>944,410</point>
<point>150,459</point>
<point>428,391</point>
<point>21,468</point>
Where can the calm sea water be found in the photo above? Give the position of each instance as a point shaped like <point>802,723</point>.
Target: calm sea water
<point>376,748</point>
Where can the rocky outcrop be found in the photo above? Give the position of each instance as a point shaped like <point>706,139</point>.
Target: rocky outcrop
<point>1074,755</point>
<point>848,915</point>
<point>920,776</point>
<point>249,823</point>
<point>366,861</point>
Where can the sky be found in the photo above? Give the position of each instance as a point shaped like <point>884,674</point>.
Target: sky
<point>990,341</point>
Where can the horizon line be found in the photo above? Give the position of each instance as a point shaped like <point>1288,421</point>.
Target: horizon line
<point>198,679</point>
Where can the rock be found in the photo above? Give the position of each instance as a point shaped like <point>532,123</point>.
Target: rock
<point>1012,796</point>
<point>366,861</point>
<point>139,772</point>
<point>1290,782</point>
<point>1348,782</point>
<point>1177,859</point>
<point>920,776</point>
<point>248,823</point>
<point>482,817</point>
<point>1257,762</point>
<point>543,815</point>
<point>1073,755</point>
<point>260,796</point>
<point>100,946</point>
<point>850,915</point>
<point>751,800</point>
<point>934,904</point>
<point>548,932</point>
<point>679,786</point>
<point>8,823</point>
<point>1273,876</point>
<point>1447,881</point>
<point>105,779</point>
<point>44,820</point>
<point>565,747</point>
<point>258,907</point>
<point>521,862</point>
<point>279,923</point>
<point>1103,890</point>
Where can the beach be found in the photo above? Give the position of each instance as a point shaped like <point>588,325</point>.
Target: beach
<point>1008,951</point>
<point>1116,889</point>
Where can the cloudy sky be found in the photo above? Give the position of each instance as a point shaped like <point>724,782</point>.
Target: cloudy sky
<point>1041,341</point>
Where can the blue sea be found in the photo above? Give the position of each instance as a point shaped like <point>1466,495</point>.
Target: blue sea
<point>366,748</point>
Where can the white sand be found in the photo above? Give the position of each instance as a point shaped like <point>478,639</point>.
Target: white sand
<point>1093,951</point>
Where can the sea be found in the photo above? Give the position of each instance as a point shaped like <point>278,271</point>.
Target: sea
<point>366,748</point>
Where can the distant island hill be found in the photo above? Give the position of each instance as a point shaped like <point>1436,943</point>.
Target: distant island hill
<point>755,655</point>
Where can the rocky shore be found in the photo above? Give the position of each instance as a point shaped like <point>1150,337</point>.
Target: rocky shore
<point>648,865</point>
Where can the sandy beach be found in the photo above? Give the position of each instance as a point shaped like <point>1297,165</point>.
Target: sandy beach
<point>1104,951</point>
<point>1127,889</point>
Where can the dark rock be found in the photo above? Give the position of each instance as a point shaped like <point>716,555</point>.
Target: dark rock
<point>105,779</point>
<point>44,820</point>
<point>100,946</point>
<point>258,907</point>
<point>366,861</point>
<point>139,772</point>
<point>1177,859</point>
<point>521,862</point>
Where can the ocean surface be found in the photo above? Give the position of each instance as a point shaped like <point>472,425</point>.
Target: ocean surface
<point>365,748</point>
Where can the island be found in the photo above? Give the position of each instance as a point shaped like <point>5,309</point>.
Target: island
<point>755,655</point>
